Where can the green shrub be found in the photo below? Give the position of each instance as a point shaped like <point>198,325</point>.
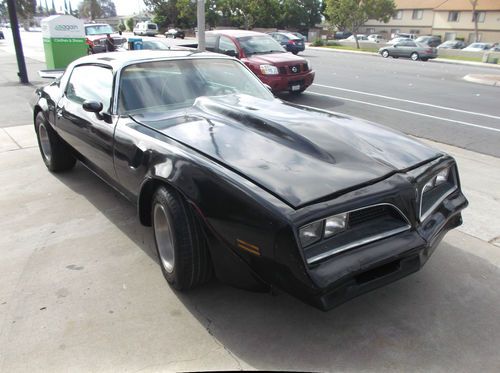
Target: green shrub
<point>318,43</point>
<point>121,26</point>
<point>130,24</point>
<point>332,44</point>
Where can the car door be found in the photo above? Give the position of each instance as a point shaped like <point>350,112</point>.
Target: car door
<point>89,133</point>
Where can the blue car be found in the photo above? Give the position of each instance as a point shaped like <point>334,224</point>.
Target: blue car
<point>289,41</point>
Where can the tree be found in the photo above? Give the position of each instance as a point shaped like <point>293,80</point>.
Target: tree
<point>475,16</point>
<point>26,9</point>
<point>300,14</point>
<point>53,9</point>
<point>108,8</point>
<point>90,9</point>
<point>352,14</point>
<point>130,24</point>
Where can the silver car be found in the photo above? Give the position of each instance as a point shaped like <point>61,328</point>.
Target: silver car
<point>410,49</point>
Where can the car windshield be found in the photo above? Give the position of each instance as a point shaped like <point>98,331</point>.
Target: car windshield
<point>174,84</point>
<point>260,45</point>
<point>98,30</point>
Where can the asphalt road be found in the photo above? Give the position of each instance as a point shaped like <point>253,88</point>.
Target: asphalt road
<point>425,99</point>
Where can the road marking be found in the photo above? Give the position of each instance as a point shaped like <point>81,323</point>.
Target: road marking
<point>408,111</point>
<point>408,101</point>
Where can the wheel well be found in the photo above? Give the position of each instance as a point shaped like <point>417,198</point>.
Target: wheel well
<point>146,198</point>
<point>36,110</point>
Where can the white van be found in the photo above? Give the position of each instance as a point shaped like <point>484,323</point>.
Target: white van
<point>146,28</point>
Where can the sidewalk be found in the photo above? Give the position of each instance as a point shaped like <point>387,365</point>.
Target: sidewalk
<point>14,96</point>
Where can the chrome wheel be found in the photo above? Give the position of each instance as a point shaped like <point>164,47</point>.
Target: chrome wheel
<point>164,237</point>
<point>414,56</point>
<point>385,54</point>
<point>45,141</point>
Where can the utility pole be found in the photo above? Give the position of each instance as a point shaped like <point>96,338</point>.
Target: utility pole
<point>14,26</point>
<point>201,25</point>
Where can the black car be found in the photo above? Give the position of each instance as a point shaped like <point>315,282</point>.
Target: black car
<point>289,41</point>
<point>175,33</point>
<point>236,182</point>
<point>339,35</point>
<point>452,44</point>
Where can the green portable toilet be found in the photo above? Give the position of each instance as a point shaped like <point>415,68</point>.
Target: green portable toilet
<point>63,40</point>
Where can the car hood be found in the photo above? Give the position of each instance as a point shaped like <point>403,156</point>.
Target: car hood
<point>274,58</point>
<point>300,155</point>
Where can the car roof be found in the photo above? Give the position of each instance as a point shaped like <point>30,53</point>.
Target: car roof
<point>236,33</point>
<point>117,60</point>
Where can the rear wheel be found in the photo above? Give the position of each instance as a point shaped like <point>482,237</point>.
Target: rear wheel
<point>414,56</point>
<point>295,52</point>
<point>55,153</point>
<point>385,53</point>
<point>424,59</point>
<point>180,243</point>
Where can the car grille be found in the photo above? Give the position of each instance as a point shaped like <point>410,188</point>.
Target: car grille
<point>364,226</point>
<point>293,69</point>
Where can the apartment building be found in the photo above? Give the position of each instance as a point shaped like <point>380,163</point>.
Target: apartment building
<point>450,19</point>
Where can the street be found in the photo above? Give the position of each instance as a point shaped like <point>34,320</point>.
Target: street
<point>82,289</point>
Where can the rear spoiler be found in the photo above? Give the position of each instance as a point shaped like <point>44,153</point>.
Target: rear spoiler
<point>50,74</point>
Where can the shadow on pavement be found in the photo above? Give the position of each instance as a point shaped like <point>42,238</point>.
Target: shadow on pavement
<point>443,317</point>
<point>306,99</point>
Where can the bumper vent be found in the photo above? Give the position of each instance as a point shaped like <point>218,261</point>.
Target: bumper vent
<point>431,198</point>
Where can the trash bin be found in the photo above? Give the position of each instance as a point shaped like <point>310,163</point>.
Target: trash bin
<point>134,44</point>
<point>63,40</point>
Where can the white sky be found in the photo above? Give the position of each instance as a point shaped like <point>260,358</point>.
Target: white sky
<point>123,7</point>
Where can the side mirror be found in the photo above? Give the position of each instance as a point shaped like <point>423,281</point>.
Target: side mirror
<point>395,45</point>
<point>92,106</point>
<point>231,53</point>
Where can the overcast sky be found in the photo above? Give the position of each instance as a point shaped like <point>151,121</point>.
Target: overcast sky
<point>123,7</point>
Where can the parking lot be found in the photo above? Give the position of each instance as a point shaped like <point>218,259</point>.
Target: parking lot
<point>82,289</point>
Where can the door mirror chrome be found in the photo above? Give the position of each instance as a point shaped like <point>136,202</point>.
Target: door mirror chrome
<point>92,106</point>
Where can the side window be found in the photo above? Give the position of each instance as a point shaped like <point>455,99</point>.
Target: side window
<point>226,45</point>
<point>100,88</point>
<point>210,40</point>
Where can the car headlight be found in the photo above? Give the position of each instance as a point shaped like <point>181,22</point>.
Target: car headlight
<point>311,233</point>
<point>440,178</point>
<point>269,70</point>
<point>335,224</point>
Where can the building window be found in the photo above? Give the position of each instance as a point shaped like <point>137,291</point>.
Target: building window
<point>453,16</point>
<point>449,36</point>
<point>479,16</point>
<point>416,31</point>
<point>370,30</point>
<point>398,14</point>
<point>417,14</point>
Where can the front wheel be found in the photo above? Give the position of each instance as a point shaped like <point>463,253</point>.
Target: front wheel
<point>56,155</point>
<point>385,53</point>
<point>180,243</point>
<point>414,56</point>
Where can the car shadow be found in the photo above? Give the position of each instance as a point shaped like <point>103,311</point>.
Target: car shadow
<point>443,316</point>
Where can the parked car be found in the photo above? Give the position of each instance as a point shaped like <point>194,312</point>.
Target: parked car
<point>96,37</point>
<point>289,41</point>
<point>409,48</point>
<point>404,35</point>
<point>266,58</point>
<point>299,35</point>
<point>361,38</point>
<point>154,45</point>
<point>175,33</point>
<point>376,38</point>
<point>452,44</point>
<point>430,40</point>
<point>234,181</point>
<point>495,47</point>
<point>339,35</point>
<point>477,47</point>
<point>397,40</point>
<point>146,29</point>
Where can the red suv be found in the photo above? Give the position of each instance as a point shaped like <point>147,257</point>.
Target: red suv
<point>267,59</point>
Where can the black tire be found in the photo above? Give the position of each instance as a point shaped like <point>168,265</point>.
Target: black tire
<point>56,154</point>
<point>424,59</point>
<point>396,57</point>
<point>385,53</point>
<point>297,93</point>
<point>190,264</point>
<point>295,52</point>
<point>414,56</point>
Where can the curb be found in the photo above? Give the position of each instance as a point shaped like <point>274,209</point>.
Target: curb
<point>491,80</point>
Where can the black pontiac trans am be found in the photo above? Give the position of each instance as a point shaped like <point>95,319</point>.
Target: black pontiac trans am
<point>235,182</point>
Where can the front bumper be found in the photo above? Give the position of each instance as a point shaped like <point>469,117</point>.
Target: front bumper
<point>372,266</point>
<point>279,83</point>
